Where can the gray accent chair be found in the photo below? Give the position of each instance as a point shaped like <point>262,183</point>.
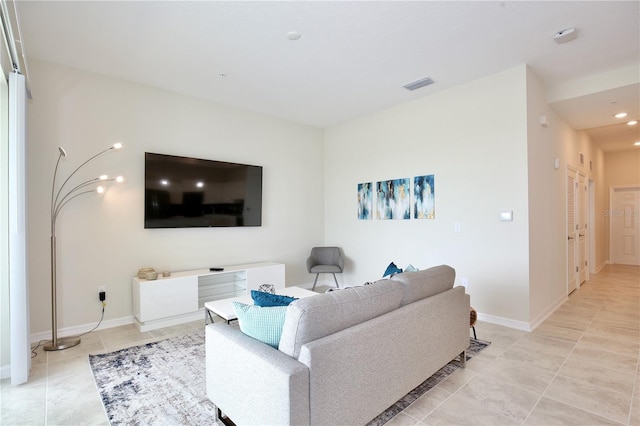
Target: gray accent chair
<point>325,260</point>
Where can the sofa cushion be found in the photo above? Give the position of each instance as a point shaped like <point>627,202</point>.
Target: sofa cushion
<point>422,284</point>
<point>261,323</point>
<point>312,318</point>
<point>261,298</point>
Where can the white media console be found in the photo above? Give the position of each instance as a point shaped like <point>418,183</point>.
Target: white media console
<point>181,297</point>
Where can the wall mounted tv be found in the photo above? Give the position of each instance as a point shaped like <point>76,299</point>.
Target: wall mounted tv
<point>182,192</point>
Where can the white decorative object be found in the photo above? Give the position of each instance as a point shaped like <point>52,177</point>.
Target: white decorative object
<point>267,288</point>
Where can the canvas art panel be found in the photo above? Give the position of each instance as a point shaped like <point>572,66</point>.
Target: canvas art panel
<point>393,199</point>
<point>424,197</point>
<point>365,201</point>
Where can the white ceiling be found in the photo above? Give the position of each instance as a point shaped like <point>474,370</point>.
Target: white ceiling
<point>353,57</point>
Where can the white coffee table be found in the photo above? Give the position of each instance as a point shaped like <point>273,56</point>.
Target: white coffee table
<point>224,309</point>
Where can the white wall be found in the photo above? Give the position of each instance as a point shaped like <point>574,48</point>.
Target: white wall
<point>473,138</point>
<point>547,202</point>
<point>101,240</point>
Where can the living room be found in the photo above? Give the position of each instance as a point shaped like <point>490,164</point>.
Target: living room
<point>481,139</point>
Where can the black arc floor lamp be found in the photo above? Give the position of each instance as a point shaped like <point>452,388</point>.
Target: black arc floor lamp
<point>59,199</point>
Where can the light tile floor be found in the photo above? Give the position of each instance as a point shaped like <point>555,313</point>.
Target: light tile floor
<point>579,367</point>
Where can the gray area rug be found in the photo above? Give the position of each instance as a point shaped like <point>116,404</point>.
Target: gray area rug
<point>163,383</point>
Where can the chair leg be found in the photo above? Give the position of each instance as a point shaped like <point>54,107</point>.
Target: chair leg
<point>314,282</point>
<point>336,280</point>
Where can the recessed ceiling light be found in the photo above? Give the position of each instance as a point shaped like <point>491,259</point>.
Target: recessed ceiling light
<point>620,115</point>
<point>632,122</point>
<point>637,143</point>
<point>293,35</point>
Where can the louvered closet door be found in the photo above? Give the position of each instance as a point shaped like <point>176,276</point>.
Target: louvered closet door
<point>571,231</point>
<point>582,201</point>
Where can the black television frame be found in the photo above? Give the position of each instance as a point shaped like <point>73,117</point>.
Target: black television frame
<point>229,195</point>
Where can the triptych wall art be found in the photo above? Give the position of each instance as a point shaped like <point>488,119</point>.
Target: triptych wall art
<point>394,199</point>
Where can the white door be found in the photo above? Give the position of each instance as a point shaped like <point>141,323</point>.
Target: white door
<point>572,269</point>
<point>625,226</point>
<point>582,202</point>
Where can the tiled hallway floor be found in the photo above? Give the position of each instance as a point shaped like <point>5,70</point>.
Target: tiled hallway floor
<point>579,367</point>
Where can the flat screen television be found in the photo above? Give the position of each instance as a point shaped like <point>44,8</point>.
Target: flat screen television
<point>182,192</point>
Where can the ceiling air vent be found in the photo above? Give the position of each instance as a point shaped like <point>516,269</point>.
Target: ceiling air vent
<point>419,83</point>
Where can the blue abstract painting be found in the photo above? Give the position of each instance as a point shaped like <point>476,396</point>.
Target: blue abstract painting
<point>365,201</point>
<point>392,199</point>
<point>424,195</point>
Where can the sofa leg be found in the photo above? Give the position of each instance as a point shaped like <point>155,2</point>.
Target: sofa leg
<point>463,359</point>
<point>220,417</point>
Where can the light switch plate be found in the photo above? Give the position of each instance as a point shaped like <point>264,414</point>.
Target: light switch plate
<point>506,216</point>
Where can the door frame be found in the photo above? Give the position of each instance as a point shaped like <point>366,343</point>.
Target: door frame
<point>584,204</point>
<point>592,226</point>
<point>612,190</point>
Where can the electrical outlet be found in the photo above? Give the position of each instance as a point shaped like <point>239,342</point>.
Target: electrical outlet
<point>102,293</point>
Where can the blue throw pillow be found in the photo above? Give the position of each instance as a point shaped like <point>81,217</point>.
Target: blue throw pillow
<point>392,269</point>
<point>260,298</point>
<point>261,323</point>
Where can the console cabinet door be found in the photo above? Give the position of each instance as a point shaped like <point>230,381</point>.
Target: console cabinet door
<point>167,297</point>
<point>270,274</point>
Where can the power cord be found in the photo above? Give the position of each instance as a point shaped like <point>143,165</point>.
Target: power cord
<point>35,348</point>
<point>99,322</point>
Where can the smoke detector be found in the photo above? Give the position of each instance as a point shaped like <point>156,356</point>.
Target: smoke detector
<point>565,35</point>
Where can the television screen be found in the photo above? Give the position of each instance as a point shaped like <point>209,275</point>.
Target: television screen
<point>182,192</point>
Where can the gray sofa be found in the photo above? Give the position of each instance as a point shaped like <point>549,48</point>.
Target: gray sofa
<point>344,356</point>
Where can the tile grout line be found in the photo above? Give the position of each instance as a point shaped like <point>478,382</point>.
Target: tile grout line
<point>557,373</point>
<point>633,390</point>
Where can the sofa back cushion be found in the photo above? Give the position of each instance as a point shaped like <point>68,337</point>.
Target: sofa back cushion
<point>312,318</point>
<point>422,284</point>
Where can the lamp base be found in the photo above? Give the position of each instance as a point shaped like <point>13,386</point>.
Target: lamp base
<point>63,343</point>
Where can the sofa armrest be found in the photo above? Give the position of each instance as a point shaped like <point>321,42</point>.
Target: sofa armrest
<point>252,382</point>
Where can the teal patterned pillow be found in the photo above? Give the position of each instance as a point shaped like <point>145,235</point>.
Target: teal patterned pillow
<point>261,323</point>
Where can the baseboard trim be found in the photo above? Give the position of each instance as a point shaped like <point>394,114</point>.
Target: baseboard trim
<point>506,322</point>
<point>602,265</point>
<point>547,313</point>
<point>79,329</point>
<point>170,321</point>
